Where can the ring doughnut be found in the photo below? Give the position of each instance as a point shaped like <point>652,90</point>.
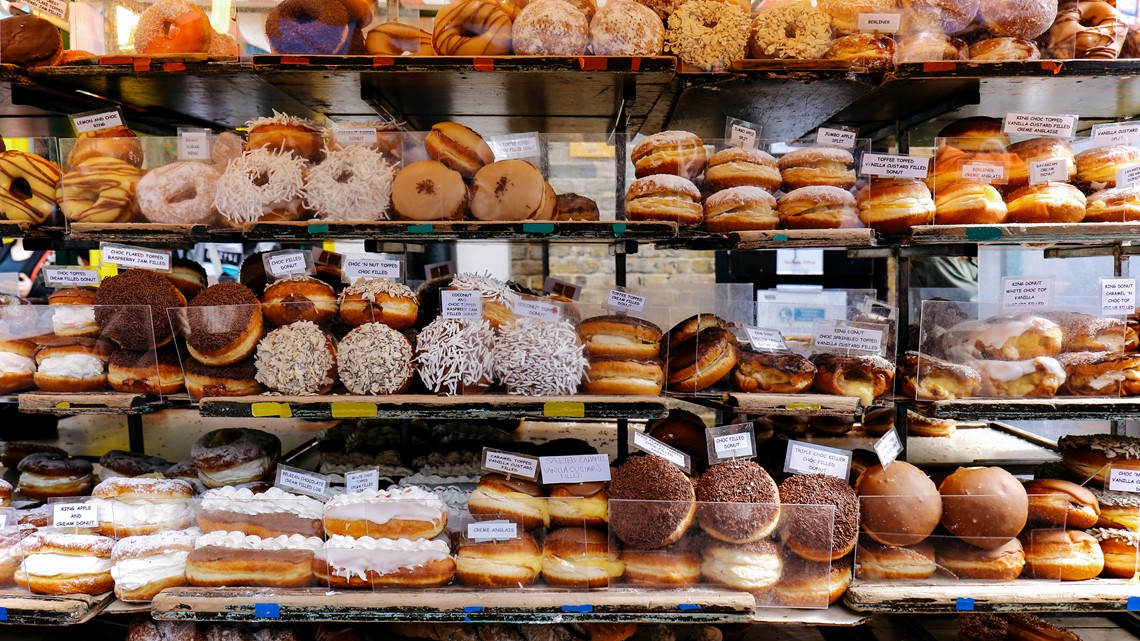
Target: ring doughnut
<point>99,190</point>
<point>708,34</point>
<point>173,26</point>
<point>260,183</point>
<point>490,25</point>
<point>796,30</point>
<point>1092,30</point>
<point>309,26</point>
<point>180,193</point>
<point>27,186</point>
<point>398,39</point>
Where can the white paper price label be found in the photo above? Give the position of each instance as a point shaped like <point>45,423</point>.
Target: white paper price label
<point>70,276</point>
<point>1116,133</point>
<point>542,310</point>
<point>726,442</point>
<point>881,22</point>
<point>732,445</point>
<point>984,172</point>
<point>832,335</point>
<point>131,256</point>
<point>302,481</point>
<point>895,166</point>
<point>355,267</point>
<point>741,136</point>
<point>85,123</point>
<point>766,340</point>
<point>888,447</point>
<point>1128,176</point>
<point>581,468</point>
<point>1051,125</point>
<point>650,445</point>
<point>3,521</point>
<point>1026,293</point>
<point>1122,480</point>
<point>626,301</point>
<point>492,531</point>
<point>509,463</point>
<point>194,146</point>
<point>460,303</point>
<point>556,287</point>
<point>355,135</point>
<point>799,262</point>
<point>1043,171</point>
<point>806,458</point>
<point>360,481</point>
<point>52,8</point>
<point>1117,296</point>
<point>287,263</point>
<point>515,146</point>
<point>831,137</point>
<point>75,515</point>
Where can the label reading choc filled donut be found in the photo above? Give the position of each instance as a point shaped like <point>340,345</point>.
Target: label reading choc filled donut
<point>460,303</point>
<point>1121,480</point>
<point>893,166</point>
<point>1026,293</point>
<point>805,458</point>
<point>290,262</point>
<point>1051,125</point>
<point>1117,296</point>
<point>509,463</point>
<point>131,256</point>
<point>880,22</point>
<point>650,445</point>
<point>581,468</point>
<point>888,447</point>
<point>492,531</point>
<point>302,481</point>
<point>70,277</point>
<point>75,515</point>
<point>727,442</point>
<point>361,481</point>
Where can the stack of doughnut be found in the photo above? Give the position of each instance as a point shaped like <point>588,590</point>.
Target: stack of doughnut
<point>624,354</point>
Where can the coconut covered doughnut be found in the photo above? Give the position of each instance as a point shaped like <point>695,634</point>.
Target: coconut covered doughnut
<point>708,34</point>
<point>535,358</point>
<point>550,28</point>
<point>796,30</point>
<point>375,359</point>
<point>453,355</point>
<point>259,183</point>
<point>179,193</point>
<point>1094,30</point>
<point>351,184</point>
<point>626,28</point>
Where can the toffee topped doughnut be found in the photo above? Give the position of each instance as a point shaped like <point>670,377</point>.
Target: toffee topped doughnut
<point>732,482</point>
<point>675,153</point>
<point>804,530</point>
<point>1057,503</point>
<point>223,325</point>
<point>236,455</point>
<point>472,28</point>
<point>651,503</point>
<point>983,506</point>
<point>125,325</point>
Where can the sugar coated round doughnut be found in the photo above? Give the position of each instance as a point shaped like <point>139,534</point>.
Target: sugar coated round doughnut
<point>550,28</point>
<point>626,28</point>
<point>179,193</point>
<point>173,26</point>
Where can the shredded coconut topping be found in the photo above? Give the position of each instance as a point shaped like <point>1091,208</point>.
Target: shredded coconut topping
<point>256,181</point>
<point>691,37</point>
<point>455,351</point>
<point>295,359</point>
<point>1127,536</point>
<point>370,287</point>
<point>374,359</point>
<point>1116,499</point>
<point>536,358</point>
<point>279,118</point>
<point>351,184</point>
<point>492,288</point>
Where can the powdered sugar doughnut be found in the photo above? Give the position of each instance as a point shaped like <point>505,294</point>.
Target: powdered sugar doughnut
<point>550,28</point>
<point>626,28</point>
<point>261,183</point>
<point>1017,18</point>
<point>453,355</point>
<point>351,184</point>
<point>179,193</point>
<point>536,358</point>
<point>708,34</point>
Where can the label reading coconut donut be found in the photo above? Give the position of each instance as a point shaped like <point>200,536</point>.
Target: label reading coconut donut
<point>355,135</point>
<point>75,515</point>
<point>510,464</point>
<point>70,277</point>
<point>650,445</point>
<point>727,442</point>
<point>97,120</point>
<point>888,447</point>
<point>880,22</point>
<point>130,256</point>
<point>540,309</point>
<point>581,468</point>
<point>361,481</point>
<point>1121,480</point>
<point>1051,125</point>
<point>1116,133</point>
<point>805,458</point>
<point>1117,296</point>
<point>302,481</point>
<point>741,133</point>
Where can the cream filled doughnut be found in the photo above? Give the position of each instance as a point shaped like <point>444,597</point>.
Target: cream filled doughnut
<point>366,562</point>
<point>56,563</point>
<point>179,193</point>
<point>143,566</point>
<point>395,513</point>
<point>136,506</point>
<point>274,512</point>
<point>234,559</point>
<point>232,456</point>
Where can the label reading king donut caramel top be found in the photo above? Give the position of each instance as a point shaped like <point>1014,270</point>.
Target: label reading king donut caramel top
<point>1117,296</point>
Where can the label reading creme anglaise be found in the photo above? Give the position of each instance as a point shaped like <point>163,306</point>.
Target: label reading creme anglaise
<point>807,458</point>
<point>510,463</point>
<point>650,445</point>
<point>492,531</point>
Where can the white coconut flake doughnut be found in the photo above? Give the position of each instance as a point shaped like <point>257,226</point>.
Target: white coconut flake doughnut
<point>375,359</point>
<point>626,28</point>
<point>260,182</point>
<point>708,34</point>
<point>351,184</point>
<point>550,28</point>
<point>179,193</point>
<point>537,358</point>
<point>454,354</point>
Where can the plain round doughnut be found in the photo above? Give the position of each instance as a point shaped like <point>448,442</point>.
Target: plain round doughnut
<point>179,193</point>
<point>550,28</point>
<point>626,28</point>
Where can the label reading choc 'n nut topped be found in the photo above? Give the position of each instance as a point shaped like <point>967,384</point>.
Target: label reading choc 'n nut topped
<point>355,267</point>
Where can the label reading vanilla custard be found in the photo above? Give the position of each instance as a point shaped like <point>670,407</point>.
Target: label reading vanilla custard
<point>888,447</point>
<point>841,335</point>
<point>131,256</point>
<point>580,468</point>
<point>727,442</point>
<point>492,531</point>
<point>881,22</point>
<point>806,458</point>
<point>359,481</point>
<point>460,303</point>
<point>302,481</point>
<point>1051,125</point>
<point>650,445</point>
<point>1122,480</point>
<point>1117,296</point>
<point>1026,293</point>
<point>1128,176</point>
<point>1116,133</point>
<point>510,464</point>
<point>75,515</point>
<point>70,276</point>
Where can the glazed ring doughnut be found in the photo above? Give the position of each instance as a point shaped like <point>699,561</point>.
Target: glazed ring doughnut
<point>397,39</point>
<point>180,193</point>
<point>99,190</point>
<point>27,186</point>
<point>1093,30</point>
<point>490,25</point>
<point>173,26</point>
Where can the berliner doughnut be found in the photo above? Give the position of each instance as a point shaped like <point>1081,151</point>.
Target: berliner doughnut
<point>741,209</point>
<point>27,185</point>
<point>398,39</point>
<point>701,361</point>
<point>772,372</point>
<point>458,147</point>
<point>665,197</point>
<point>46,475</point>
<point>550,28</point>
<point>799,524</point>
<point>118,316</point>
<point>878,561</point>
<point>951,17</point>
<point>293,299</point>
<point>1097,166</point>
<point>739,502</point>
<point>674,153</point>
<point>1093,30</point>
<point>894,205</point>
<point>73,312</point>
<point>378,300</point>
<point>626,28</point>
<point>223,324</point>
<point>673,566</point>
<point>976,134</point>
<point>579,504</point>
<point>1059,554</point>
<point>517,500</point>
<point>344,562</point>
<point>684,431</point>
<point>818,207</point>
<point>1036,150</point>
<point>863,51</point>
<point>1004,50</point>
<point>751,567</point>
<point>232,456</point>
<point>1057,503</point>
<point>72,365</point>
<point>1090,458</point>
<point>578,557</point>
<point>509,563</point>
<point>472,28</point>
<point>229,380</point>
<point>57,563</point>
<point>1089,333</point>
<point>810,584</point>
<point>899,505</point>
<point>172,26</point>
<point>1113,205</point>
<point>1003,562</point>
<point>1029,627</point>
<point>115,463</point>
<point>865,377</point>
<point>188,276</point>
<point>1017,18</point>
<point>10,554</point>
<point>17,365</point>
<point>817,166</point>
<point>429,190</point>
<point>1050,202</point>
<point>1120,549</point>
<point>652,503</point>
<point>739,167</point>
<point>983,506</point>
<point>969,203</point>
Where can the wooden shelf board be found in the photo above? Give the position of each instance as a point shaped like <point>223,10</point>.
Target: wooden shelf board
<point>87,403</point>
<point>462,230</point>
<point>23,608</point>
<point>1064,233</point>
<point>467,64</point>
<point>150,233</point>
<point>452,604</point>
<point>484,406</point>
<point>1058,408</point>
<point>1021,595</point>
<point>776,404</point>
<point>775,239</point>
<point>837,615</point>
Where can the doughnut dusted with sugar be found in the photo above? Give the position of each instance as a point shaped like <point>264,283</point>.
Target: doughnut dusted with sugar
<point>674,153</point>
<point>664,197</point>
<point>364,562</point>
<point>143,566</point>
<point>233,456</point>
<point>173,26</point>
<point>869,51</point>
<point>550,28</point>
<point>1004,50</point>
<point>626,28</point>
<point>741,209</point>
<point>1017,18</point>
<point>234,559</point>
<point>929,46</point>
<point>57,563</point>
<point>818,207</point>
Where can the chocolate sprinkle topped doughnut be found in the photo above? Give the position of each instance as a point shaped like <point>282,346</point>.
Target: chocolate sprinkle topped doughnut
<point>741,482</point>
<point>668,502</point>
<point>804,525</point>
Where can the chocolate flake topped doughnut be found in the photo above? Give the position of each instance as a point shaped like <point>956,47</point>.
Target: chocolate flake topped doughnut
<point>668,502</point>
<point>127,327</point>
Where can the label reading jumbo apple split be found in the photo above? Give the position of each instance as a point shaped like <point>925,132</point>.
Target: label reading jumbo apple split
<point>75,515</point>
<point>806,458</point>
<point>510,464</point>
<point>741,133</point>
<point>843,138</point>
<point>581,468</point>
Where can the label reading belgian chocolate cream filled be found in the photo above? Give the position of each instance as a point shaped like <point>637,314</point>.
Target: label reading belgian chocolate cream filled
<point>302,481</point>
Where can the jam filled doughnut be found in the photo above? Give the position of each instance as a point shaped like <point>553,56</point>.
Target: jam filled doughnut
<point>119,319</point>
<point>576,557</point>
<point>309,26</point>
<point>652,503</point>
<point>899,505</point>
<point>173,26</point>
<point>27,186</point>
<point>472,28</point>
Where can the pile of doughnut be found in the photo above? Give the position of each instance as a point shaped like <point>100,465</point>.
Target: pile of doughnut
<point>144,628</point>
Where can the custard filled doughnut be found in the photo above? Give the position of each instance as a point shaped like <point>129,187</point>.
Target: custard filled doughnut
<point>739,167</point>
<point>676,153</point>
<point>799,525</point>
<point>1089,333</point>
<point>309,26</point>
<point>1117,509</point>
<point>579,504</point>
<point>1090,458</point>
<point>395,513</point>
<point>701,361</point>
<point>1004,50</point>
<point>1057,503</point>
<point>472,28</point>
<point>652,503</point>
<point>173,26</point>
<point>223,325</point>
<point>1059,554</point>
<point>708,34</point>
<point>139,506</point>
<point>819,207</point>
<point>865,377</point>
<point>1093,30</point>
<point>1003,562</point>
<point>233,456</point>
<point>261,183</point>
<point>1016,337</point>
<point>180,193</point>
<point>1050,202</point>
<point>895,205</point>
<point>665,197</point>
<point>869,51</point>
<point>511,190</point>
<point>1036,150</point>
<point>550,28</point>
<point>741,209</point>
<point>1039,377</point>
<point>969,203</point>
<point>398,39</point>
<point>1113,205</point>
<point>739,502</point>
<point>517,500</point>
<point>289,300</point>
<point>878,561</point>
<point>511,563</point>
<point>577,557</point>
<point>429,190</point>
<point>48,475</point>
<point>345,562</point>
<point>117,143</point>
<point>674,566</point>
<point>27,186</point>
<point>772,373</point>
<point>807,584</point>
<point>1097,373</point>
<point>1097,167</point>
<point>99,190</point>
<point>751,567</point>
<point>932,379</point>
<point>899,505</point>
<point>58,563</point>
<point>626,28</point>
<point>983,506</point>
<point>1120,549</point>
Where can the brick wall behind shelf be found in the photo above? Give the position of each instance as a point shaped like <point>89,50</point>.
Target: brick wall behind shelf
<point>592,265</point>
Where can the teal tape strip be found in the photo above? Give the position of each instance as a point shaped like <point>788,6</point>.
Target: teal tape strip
<point>538,228</point>
<point>779,238</point>
<point>977,234</point>
<point>619,229</point>
<point>317,228</point>
<point>420,229</point>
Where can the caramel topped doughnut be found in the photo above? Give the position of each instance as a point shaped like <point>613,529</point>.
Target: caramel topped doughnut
<point>397,39</point>
<point>472,28</point>
<point>772,372</point>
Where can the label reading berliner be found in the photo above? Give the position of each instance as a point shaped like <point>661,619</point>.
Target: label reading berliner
<point>650,445</point>
<point>1122,480</point>
<point>360,481</point>
<point>1026,293</point>
<point>894,166</point>
<point>302,481</point>
<point>831,334</point>
<point>515,146</point>
<point>492,531</point>
<point>727,442</point>
<point>843,138</point>
<point>741,133</point>
<point>194,144</point>
<point>1043,171</point>
<point>510,463</point>
<point>805,458</point>
<point>1051,125</point>
<point>131,256</point>
<point>1128,176</point>
<point>1116,133</point>
<point>355,267</point>
<point>75,515</point>
<point>71,276</point>
<point>766,340</point>
<point>881,22</point>
<point>460,303</point>
<point>984,172</point>
<point>355,135</point>
<point>97,120</point>
<point>556,287</point>
<point>1117,296</point>
<point>540,309</point>
<point>888,447</point>
<point>289,262</point>
<point>580,468</point>
<point>625,302</point>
